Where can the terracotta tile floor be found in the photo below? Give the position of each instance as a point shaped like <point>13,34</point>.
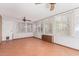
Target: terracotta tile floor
<point>34,47</point>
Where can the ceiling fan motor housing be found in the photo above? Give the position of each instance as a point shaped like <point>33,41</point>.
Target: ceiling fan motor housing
<point>24,19</point>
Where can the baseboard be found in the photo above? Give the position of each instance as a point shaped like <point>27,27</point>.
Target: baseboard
<point>67,47</point>
<point>23,38</point>
<point>60,44</point>
<point>39,38</point>
<point>16,39</point>
<point>35,37</point>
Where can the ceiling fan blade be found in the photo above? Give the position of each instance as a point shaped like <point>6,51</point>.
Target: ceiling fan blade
<point>28,20</point>
<point>24,19</point>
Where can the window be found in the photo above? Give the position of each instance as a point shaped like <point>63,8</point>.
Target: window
<point>21,27</point>
<point>29,27</point>
<point>61,24</point>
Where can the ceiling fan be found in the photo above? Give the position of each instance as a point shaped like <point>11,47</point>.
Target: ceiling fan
<point>24,19</point>
<point>51,5</point>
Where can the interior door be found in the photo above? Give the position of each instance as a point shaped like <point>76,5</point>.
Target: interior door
<point>0,28</point>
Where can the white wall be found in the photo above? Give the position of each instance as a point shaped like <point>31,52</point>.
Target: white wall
<point>8,27</point>
<point>22,35</point>
<point>71,40</point>
<point>68,41</point>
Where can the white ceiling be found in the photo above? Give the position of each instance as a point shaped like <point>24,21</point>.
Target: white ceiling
<point>33,12</point>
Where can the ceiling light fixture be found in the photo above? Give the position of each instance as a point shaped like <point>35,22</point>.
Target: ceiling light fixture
<point>51,5</point>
